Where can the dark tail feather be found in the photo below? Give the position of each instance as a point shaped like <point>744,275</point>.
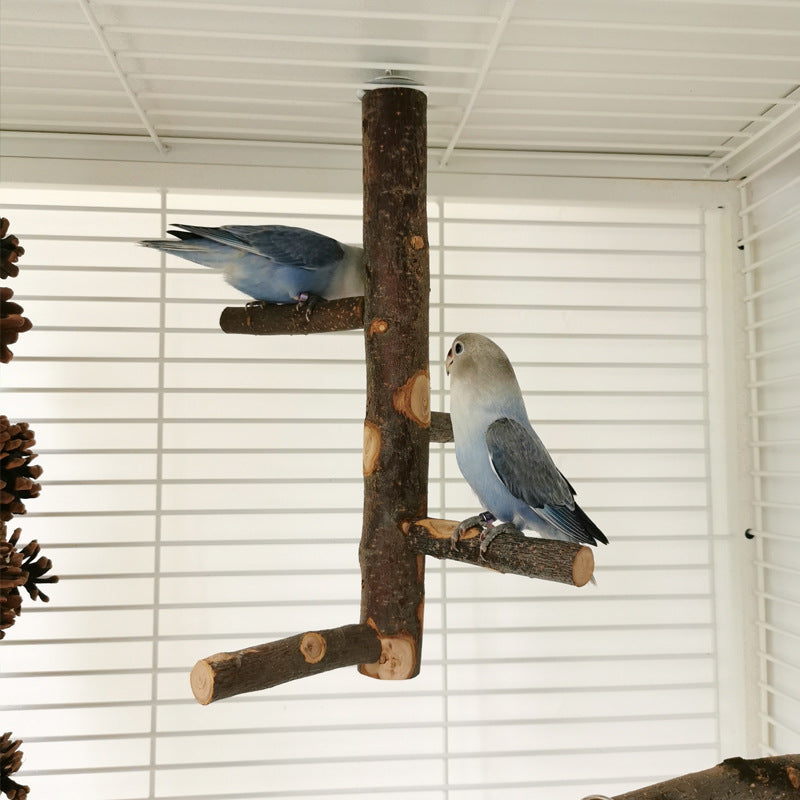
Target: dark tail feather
<point>162,244</point>
<point>183,235</point>
<point>588,526</point>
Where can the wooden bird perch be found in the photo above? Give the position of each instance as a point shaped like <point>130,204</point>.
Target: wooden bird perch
<point>398,429</point>
<point>776,778</point>
<point>564,562</point>
<point>345,314</point>
<point>227,674</point>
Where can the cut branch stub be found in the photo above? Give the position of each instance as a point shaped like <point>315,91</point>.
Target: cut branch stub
<point>551,560</point>
<point>265,665</point>
<point>398,403</point>
<point>413,399</point>
<point>372,447</point>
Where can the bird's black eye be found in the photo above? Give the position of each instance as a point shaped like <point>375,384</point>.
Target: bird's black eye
<point>458,348</point>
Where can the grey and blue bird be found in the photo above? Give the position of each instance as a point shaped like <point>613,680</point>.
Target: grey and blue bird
<point>272,263</point>
<point>501,456</point>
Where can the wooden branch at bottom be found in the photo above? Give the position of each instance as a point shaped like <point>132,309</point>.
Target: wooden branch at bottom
<point>776,778</point>
<point>564,562</point>
<point>265,665</point>
<point>328,316</point>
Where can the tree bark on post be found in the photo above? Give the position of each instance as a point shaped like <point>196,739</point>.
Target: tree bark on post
<point>396,436</point>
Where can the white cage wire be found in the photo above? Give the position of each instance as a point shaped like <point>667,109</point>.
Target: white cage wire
<point>203,492</point>
<point>771,242</point>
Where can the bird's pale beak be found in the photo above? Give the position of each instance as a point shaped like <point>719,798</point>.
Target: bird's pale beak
<point>448,362</point>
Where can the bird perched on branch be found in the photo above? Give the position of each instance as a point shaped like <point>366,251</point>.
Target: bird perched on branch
<point>500,455</point>
<point>272,263</point>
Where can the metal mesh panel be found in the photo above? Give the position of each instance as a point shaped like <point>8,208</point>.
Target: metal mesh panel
<point>202,492</point>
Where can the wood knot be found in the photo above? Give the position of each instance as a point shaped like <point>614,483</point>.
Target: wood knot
<point>413,399</point>
<point>372,447</point>
<point>378,326</point>
<point>794,776</point>
<point>417,242</point>
<point>313,647</point>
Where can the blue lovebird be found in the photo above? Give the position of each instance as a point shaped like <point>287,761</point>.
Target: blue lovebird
<point>272,263</point>
<point>500,455</point>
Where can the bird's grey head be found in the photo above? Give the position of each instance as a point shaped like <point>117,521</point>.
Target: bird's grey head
<point>475,356</point>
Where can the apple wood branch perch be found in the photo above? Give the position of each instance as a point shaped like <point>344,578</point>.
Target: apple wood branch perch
<point>398,429</point>
<point>564,562</point>
<point>775,778</point>
<point>227,674</point>
<point>269,320</point>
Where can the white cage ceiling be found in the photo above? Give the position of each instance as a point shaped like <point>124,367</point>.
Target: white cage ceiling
<point>695,82</point>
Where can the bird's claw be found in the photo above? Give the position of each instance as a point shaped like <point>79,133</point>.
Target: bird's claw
<point>262,304</point>
<point>482,521</point>
<point>307,302</point>
<point>490,533</point>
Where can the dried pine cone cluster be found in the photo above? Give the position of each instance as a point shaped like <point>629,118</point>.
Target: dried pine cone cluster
<point>10,251</point>
<point>10,760</point>
<point>18,482</point>
<point>19,567</point>
<point>12,323</point>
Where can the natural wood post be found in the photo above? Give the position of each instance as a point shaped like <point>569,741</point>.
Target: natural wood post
<point>396,437</point>
<point>564,562</point>
<point>264,665</point>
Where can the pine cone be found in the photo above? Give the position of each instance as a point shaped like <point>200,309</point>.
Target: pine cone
<point>12,323</point>
<point>18,476</point>
<point>12,577</point>
<point>10,251</point>
<point>18,569</point>
<point>10,762</point>
<point>9,608</point>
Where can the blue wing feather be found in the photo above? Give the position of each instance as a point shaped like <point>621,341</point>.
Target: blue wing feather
<point>284,244</point>
<point>524,466</point>
<point>528,471</point>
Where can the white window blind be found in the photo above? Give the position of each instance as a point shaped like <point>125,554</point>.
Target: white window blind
<point>202,492</point>
<point>771,210</point>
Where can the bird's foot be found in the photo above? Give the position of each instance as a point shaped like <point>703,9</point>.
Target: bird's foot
<point>483,521</point>
<point>307,302</point>
<point>489,534</point>
<point>262,304</point>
